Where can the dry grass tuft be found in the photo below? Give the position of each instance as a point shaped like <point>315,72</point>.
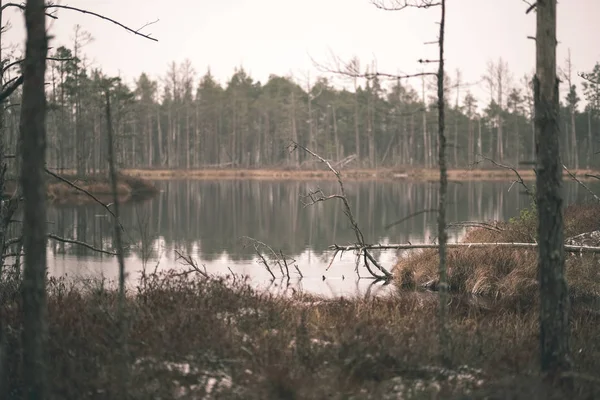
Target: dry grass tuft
<point>504,272</point>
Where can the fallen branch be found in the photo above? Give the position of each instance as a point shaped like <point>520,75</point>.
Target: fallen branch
<point>475,224</point>
<point>264,261</point>
<point>408,246</point>
<point>277,257</point>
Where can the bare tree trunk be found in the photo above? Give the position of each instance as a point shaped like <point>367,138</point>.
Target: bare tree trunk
<point>335,134</point>
<point>590,141</point>
<point>554,298</point>
<point>119,244</point>
<point>470,145</point>
<point>442,235</point>
<point>574,153</point>
<point>456,118</point>
<point>574,149</point>
<point>426,144</point>
<point>479,144</point>
<point>295,156</point>
<point>500,76</point>
<point>161,155</point>
<point>33,156</point>
<point>356,118</point>
<point>370,130</point>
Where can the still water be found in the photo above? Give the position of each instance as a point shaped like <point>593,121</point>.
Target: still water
<point>207,219</point>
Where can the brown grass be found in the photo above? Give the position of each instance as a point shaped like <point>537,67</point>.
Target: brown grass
<point>183,331</point>
<point>504,272</point>
<point>323,173</point>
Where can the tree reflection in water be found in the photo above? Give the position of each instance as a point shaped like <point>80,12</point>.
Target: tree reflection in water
<point>207,218</point>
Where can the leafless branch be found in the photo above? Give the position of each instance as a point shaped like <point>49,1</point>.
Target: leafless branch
<point>65,7</point>
<point>351,71</point>
<point>147,24</point>
<point>74,186</point>
<point>189,261</point>
<point>531,7</point>
<point>11,88</point>
<point>264,261</point>
<point>318,195</point>
<point>581,183</point>
<point>475,224</point>
<point>21,6</point>
<point>276,257</point>
<point>79,243</point>
<point>519,178</point>
<point>430,210</point>
<point>19,61</point>
<point>398,5</point>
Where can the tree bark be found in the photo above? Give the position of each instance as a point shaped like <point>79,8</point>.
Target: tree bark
<point>33,153</point>
<point>554,299</point>
<point>442,235</point>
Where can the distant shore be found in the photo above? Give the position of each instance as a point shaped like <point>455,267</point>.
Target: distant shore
<point>79,189</point>
<point>136,184</point>
<point>411,174</point>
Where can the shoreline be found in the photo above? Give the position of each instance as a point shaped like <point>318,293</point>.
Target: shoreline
<point>60,193</point>
<point>137,184</point>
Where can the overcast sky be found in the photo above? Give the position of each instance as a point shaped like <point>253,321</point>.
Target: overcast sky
<point>281,36</point>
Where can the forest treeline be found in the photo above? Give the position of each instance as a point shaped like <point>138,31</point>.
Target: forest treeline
<point>181,121</point>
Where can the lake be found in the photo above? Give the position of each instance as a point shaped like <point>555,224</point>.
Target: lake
<point>208,219</point>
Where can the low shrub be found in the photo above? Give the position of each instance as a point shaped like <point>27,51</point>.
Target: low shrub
<point>218,338</point>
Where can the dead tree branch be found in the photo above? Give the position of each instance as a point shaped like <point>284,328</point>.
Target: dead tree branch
<point>189,261</point>
<point>518,180</point>
<point>474,224</point>
<point>407,246</point>
<point>581,183</point>
<point>83,11</point>
<point>79,243</point>
<point>52,236</point>
<point>21,6</point>
<point>264,261</point>
<point>277,258</point>
<point>87,193</point>
<point>19,61</point>
<point>398,5</point>
<point>351,70</point>
<point>430,210</point>
<point>11,88</point>
<point>318,196</point>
